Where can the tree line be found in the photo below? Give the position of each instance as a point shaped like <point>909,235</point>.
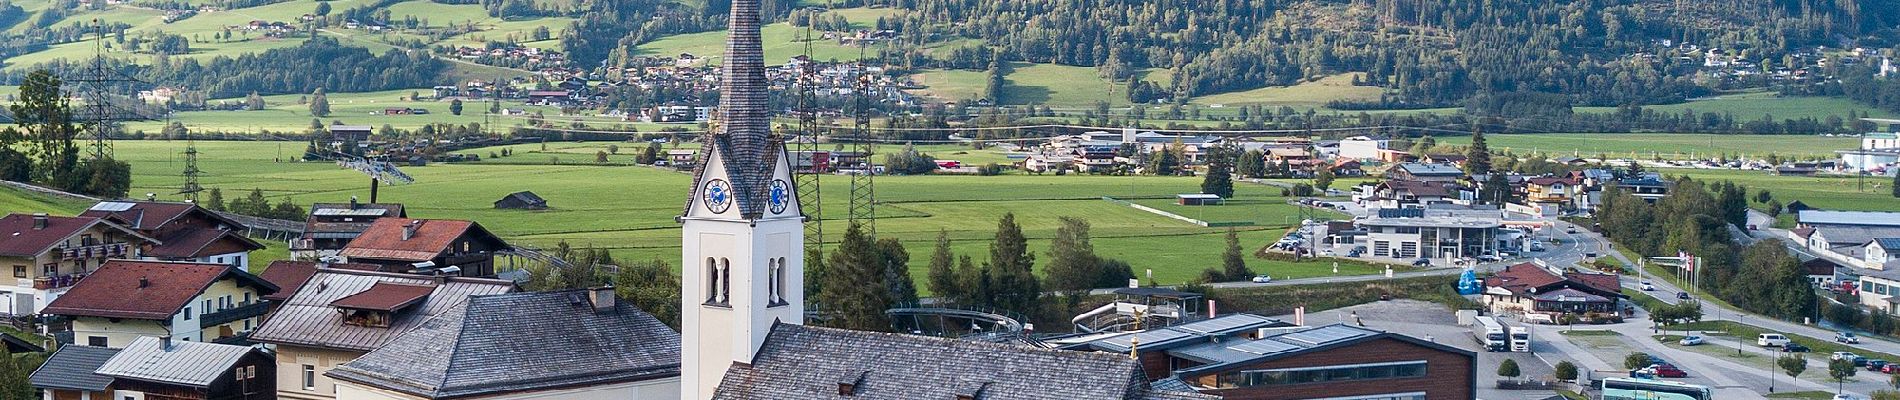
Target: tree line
<point>1695,219</point>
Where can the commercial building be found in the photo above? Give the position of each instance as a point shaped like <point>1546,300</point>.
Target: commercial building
<point>1432,237</point>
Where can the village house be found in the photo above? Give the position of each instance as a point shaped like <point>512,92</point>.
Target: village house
<point>435,246</point>
<point>289,275</point>
<point>1248,357</point>
<point>339,315</point>
<point>1821,272</point>
<point>1362,147</point>
<point>1398,193</point>
<point>161,368</point>
<point>1443,173</point>
<point>1539,294</point>
<point>127,299</point>
<point>184,231</point>
<point>1882,253</point>
<point>497,348</point>
<point>333,225</point>
<point>1845,235</point>
<point>69,374</point>
<point>48,255</point>
<point>1646,186</point>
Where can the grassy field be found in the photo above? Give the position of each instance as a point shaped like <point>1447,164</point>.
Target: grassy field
<point>1666,145</point>
<point>630,210</point>
<point>1751,106</point>
<point>1049,84</point>
<point>1312,94</point>
<point>284,113</point>
<point>1828,193</point>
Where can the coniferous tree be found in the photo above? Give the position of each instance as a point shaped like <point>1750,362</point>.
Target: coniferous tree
<point>896,263</point>
<point>1478,156</point>
<point>1219,180</point>
<point>215,200</point>
<point>14,371</point>
<point>942,276</point>
<point>855,268</point>
<point>1011,268</point>
<point>1233,264</point>
<point>1072,261</point>
<point>978,286</point>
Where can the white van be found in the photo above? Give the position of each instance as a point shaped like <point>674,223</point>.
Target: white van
<point>1771,340</point>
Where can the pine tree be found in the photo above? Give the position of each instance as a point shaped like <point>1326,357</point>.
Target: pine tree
<point>1072,261</point>
<point>1233,265</point>
<point>1478,156</point>
<point>942,275</point>
<point>978,287</point>
<point>215,200</point>
<point>1219,180</point>
<point>854,268</point>
<point>319,104</point>
<point>896,264</point>
<point>1011,268</point>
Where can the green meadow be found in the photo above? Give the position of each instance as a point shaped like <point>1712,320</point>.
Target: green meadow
<point>629,209</point>
<point>1665,145</point>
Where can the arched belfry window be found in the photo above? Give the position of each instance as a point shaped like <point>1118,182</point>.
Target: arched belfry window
<point>725,281</point>
<point>778,283</point>
<point>771,275</point>
<point>712,281</point>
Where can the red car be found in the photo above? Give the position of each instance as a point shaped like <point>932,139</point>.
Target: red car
<point>1890,368</point>
<point>1667,371</point>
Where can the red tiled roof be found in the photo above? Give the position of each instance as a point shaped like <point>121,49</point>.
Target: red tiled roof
<point>384,239</point>
<point>385,296</point>
<point>290,275</point>
<point>145,215</point>
<point>1605,282</point>
<point>145,289</point>
<point>18,238</point>
<point>1521,278</point>
<point>1803,232</point>
<point>193,243</point>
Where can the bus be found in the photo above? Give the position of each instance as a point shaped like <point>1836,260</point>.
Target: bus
<point>1651,389</point>
<point>1491,334</point>
<point>1520,339</point>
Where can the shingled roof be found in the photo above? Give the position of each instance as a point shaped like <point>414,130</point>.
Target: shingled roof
<point>148,217</point>
<point>20,237</point>
<point>71,368</point>
<point>391,239</point>
<point>289,275</point>
<point>146,289</point>
<point>308,319</point>
<point>803,362</point>
<point>501,343</point>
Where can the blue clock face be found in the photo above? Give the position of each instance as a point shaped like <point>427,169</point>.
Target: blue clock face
<point>718,195</point>
<point>780,196</point>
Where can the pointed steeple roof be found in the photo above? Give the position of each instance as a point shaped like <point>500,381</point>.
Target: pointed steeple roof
<point>742,133</point>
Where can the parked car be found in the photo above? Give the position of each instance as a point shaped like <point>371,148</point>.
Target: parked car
<point>1845,396</point>
<point>1682,295</point>
<point>1842,355</point>
<point>1876,364</point>
<point>1489,258</point>
<point>1262,279</point>
<point>1690,340</point>
<point>1846,337</point>
<point>1648,286</point>
<point>1422,262</point>
<point>1771,340</point>
<point>1890,368</point>
<point>1667,371</point>
<point>1571,230</point>
<point>1793,347</point>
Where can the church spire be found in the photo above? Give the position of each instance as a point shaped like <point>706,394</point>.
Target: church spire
<point>745,117</point>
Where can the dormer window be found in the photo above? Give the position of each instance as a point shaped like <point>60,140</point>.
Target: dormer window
<point>378,305</point>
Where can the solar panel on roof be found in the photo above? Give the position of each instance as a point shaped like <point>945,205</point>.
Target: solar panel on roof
<point>360,212</point>
<point>112,206</point>
<point>1264,347</point>
<point>1325,335</point>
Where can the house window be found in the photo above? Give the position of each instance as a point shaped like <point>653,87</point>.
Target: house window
<point>96,341</point>
<point>187,313</point>
<point>50,269</point>
<point>19,271</point>
<point>309,377</point>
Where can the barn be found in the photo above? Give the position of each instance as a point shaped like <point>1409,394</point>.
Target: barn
<point>1197,199</point>
<point>523,200</point>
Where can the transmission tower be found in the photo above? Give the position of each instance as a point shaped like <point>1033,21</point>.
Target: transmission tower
<point>805,149</point>
<point>190,189</point>
<point>96,85</point>
<point>863,194</point>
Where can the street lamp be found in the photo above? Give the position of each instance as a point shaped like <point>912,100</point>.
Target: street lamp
<point>1771,369</point>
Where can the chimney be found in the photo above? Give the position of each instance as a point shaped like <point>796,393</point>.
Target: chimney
<point>165,342</point>
<point>409,231</point>
<point>602,297</point>
<point>353,203</point>
<point>39,221</point>
<point>151,197</point>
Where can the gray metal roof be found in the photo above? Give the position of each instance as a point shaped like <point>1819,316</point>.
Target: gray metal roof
<point>1278,343</point>
<point>801,362</point>
<point>308,319</point>
<point>187,363</point>
<point>1424,169</point>
<point>1862,218</point>
<point>1188,333</point>
<point>71,368</point>
<point>505,343</point>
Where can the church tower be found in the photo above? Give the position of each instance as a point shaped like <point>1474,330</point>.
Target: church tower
<point>742,233</point>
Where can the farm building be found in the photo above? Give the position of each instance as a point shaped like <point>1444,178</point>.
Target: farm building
<point>1197,199</point>
<point>523,200</point>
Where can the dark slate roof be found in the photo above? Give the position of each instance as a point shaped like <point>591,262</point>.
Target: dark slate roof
<point>71,368</point>
<point>308,319</point>
<point>519,342</point>
<point>1221,356</point>
<point>802,362</point>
